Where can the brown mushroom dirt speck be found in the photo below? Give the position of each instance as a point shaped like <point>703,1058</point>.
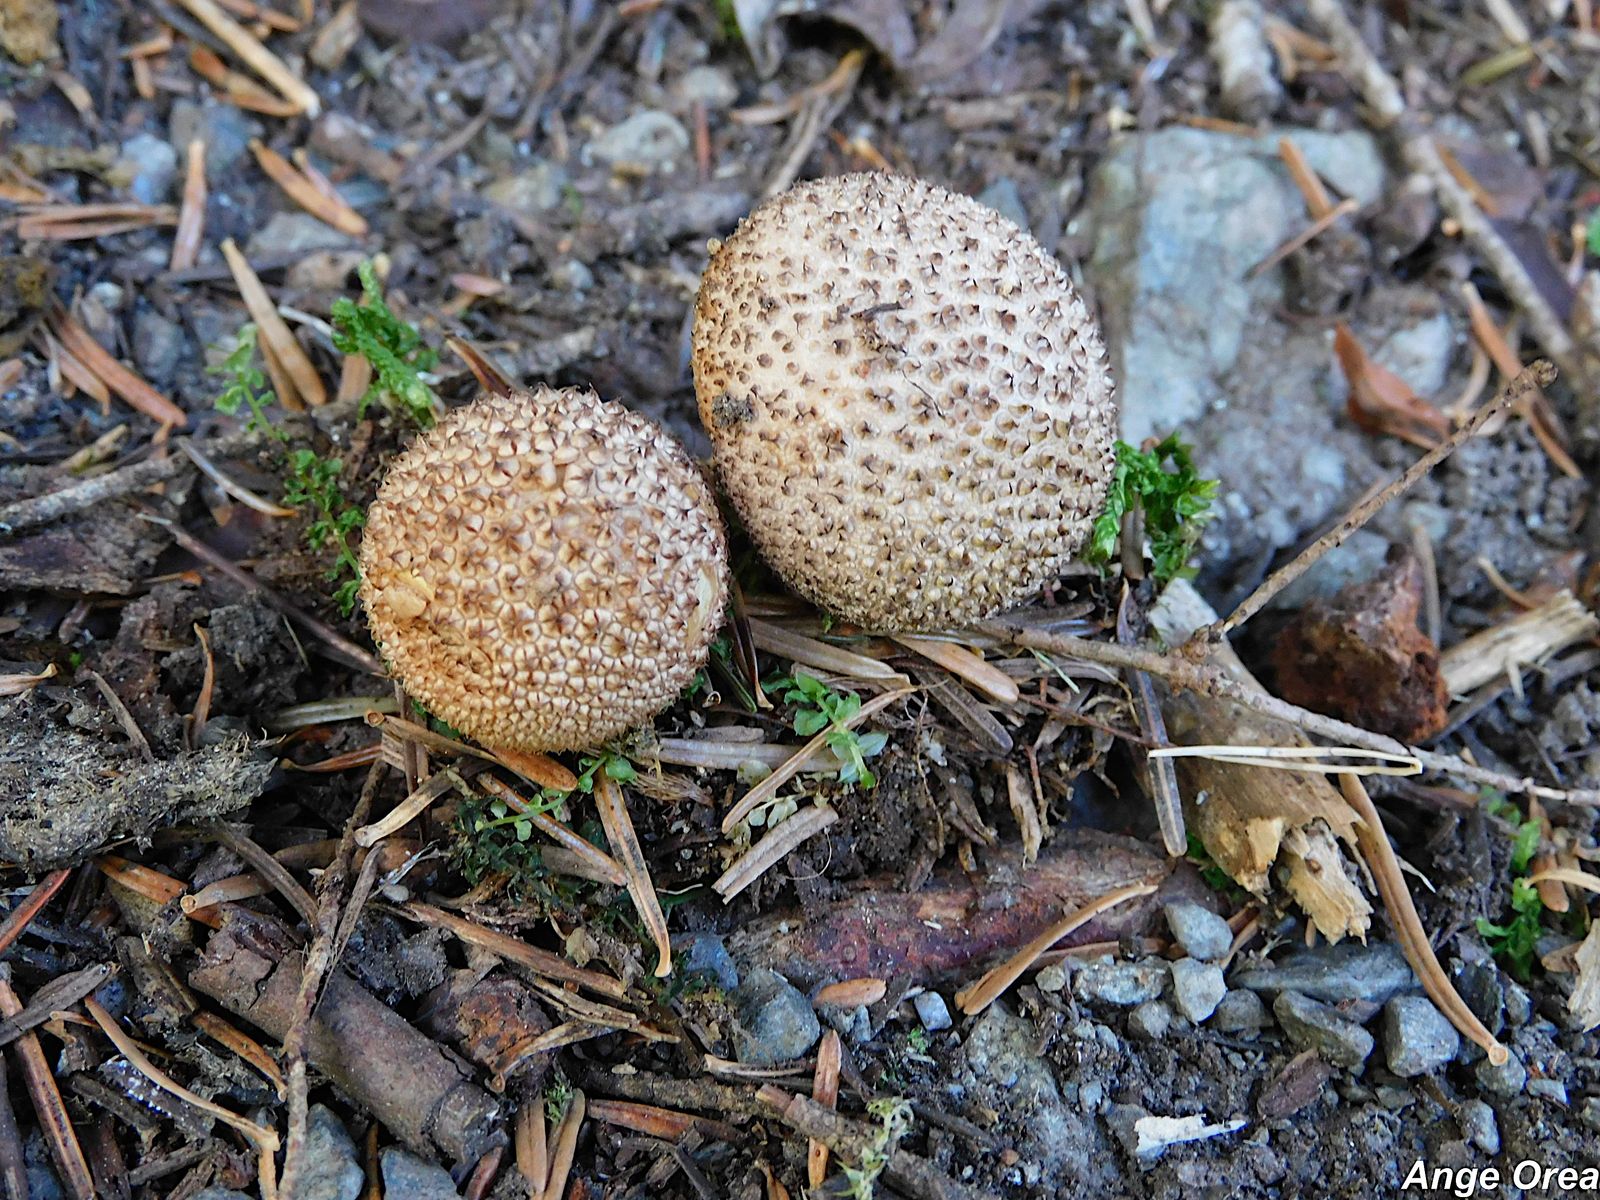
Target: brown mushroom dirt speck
<point>815,330</point>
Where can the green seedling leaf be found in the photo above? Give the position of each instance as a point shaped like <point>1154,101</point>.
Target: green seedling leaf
<point>1175,500</point>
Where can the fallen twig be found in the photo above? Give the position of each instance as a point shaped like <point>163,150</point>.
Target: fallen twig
<point>192,213</point>
<point>1516,391</point>
<point>1385,868</point>
<point>770,850</point>
<point>825,1091</point>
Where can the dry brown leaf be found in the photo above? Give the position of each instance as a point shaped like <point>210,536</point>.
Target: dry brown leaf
<point>1381,402</point>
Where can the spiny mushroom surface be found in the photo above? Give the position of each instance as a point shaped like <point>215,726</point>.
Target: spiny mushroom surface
<point>544,571</point>
<point>909,403</point>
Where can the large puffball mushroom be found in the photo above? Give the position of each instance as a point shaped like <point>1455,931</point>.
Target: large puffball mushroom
<point>909,403</point>
<point>544,571</point>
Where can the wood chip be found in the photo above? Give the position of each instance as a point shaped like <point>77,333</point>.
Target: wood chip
<point>192,212</point>
<point>825,1091</point>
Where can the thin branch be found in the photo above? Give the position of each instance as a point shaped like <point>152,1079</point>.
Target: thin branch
<point>1516,391</point>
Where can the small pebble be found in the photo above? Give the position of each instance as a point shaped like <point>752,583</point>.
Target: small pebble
<point>1120,983</point>
<point>407,1177</point>
<point>705,954</point>
<point>1240,1011</point>
<point>1519,1005</point>
<point>932,1011</point>
<point>1200,932</point>
<point>646,141</point>
<point>332,1170</point>
<point>1053,978</point>
<point>776,1021</point>
<point>1478,1125</point>
<point>151,165</point>
<point>1506,1080</point>
<point>1417,1038</point>
<point>1314,1026</point>
<point>1552,1090</point>
<point>1150,1020</point>
<point>1589,1114</point>
<point>1335,973</point>
<point>1197,988</point>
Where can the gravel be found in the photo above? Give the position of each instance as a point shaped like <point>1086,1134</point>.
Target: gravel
<point>776,1021</point>
<point>1508,1079</point>
<point>332,1168</point>
<point>1120,983</point>
<point>1477,1121</point>
<point>1150,1021</point>
<point>1314,1026</point>
<point>1335,973</point>
<point>1200,932</point>
<point>1240,1011</point>
<point>407,1177</point>
<point>1197,988</point>
<point>932,1011</point>
<point>1416,1037</point>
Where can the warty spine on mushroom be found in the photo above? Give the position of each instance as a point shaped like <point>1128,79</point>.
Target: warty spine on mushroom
<point>909,402</point>
<point>545,570</point>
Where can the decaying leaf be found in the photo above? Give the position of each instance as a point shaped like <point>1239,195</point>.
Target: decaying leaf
<point>1584,1003</point>
<point>1251,821</point>
<point>1380,401</point>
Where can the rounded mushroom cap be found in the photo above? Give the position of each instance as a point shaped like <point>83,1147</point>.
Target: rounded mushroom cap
<point>544,571</point>
<point>909,402</point>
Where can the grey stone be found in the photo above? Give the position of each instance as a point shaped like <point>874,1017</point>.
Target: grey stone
<point>776,1021</point>
<point>1197,929</point>
<point>159,346</point>
<point>1518,1004</point>
<point>1552,1090</point>
<point>220,1193</point>
<point>1006,199</point>
<point>853,1024</point>
<point>1314,1026</point>
<point>1589,1114</point>
<point>1416,1037</point>
<point>1053,978</point>
<point>932,1011</point>
<point>407,1177</point>
<point>1480,985</point>
<point>646,141</point>
<point>150,164</point>
<point>332,1169</point>
<point>1177,216</point>
<point>1344,972</point>
<point>1240,1011</point>
<point>710,86</point>
<point>1121,983</point>
<point>705,954</point>
<point>294,235</point>
<point>538,189</point>
<point>1479,1126</point>
<point>1150,1020</point>
<point>224,129</point>
<point>1197,988</point>
<point>1508,1079</point>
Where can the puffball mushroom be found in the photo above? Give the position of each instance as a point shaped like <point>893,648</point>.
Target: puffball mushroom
<point>544,571</point>
<point>909,403</point>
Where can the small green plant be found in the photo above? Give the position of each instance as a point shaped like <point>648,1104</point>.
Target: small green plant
<point>1513,941</point>
<point>313,483</point>
<point>1594,233</point>
<point>917,1040</point>
<point>1216,878</point>
<point>1175,501</point>
<point>247,386</point>
<point>894,1119</point>
<point>393,347</point>
<point>557,1095</point>
<point>819,707</point>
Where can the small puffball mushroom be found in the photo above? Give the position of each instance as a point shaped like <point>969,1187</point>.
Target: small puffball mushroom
<point>909,403</point>
<point>544,571</point>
